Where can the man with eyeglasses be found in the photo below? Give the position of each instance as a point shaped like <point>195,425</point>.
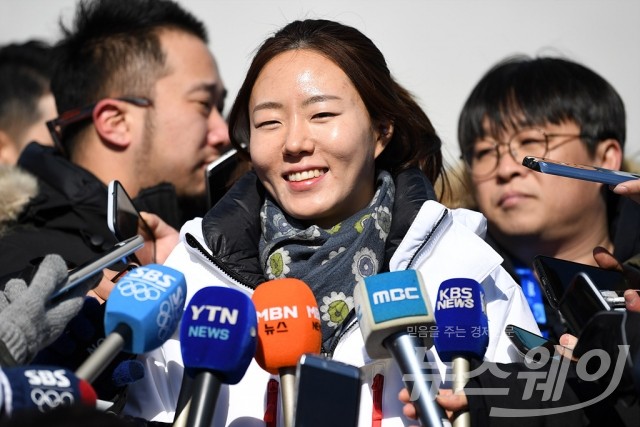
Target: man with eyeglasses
<point>140,99</point>
<point>555,108</point>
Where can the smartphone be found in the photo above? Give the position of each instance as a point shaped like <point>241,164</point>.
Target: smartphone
<point>583,172</point>
<point>326,388</point>
<point>123,217</point>
<point>556,275</point>
<point>581,302</point>
<point>219,175</point>
<point>524,340</point>
<point>89,269</point>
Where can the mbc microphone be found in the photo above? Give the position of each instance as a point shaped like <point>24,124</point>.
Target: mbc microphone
<point>461,317</point>
<point>42,388</point>
<point>288,327</point>
<point>387,304</point>
<point>142,312</point>
<point>218,341</point>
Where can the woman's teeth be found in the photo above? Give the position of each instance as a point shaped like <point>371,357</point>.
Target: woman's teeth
<point>301,176</point>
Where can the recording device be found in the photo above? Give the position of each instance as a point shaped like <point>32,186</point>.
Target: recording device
<point>524,340</point>
<point>142,312</point>
<point>123,217</point>
<point>581,302</point>
<point>288,327</point>
<point>218,342</point>
<point>387,305</point>
<point>218,176</point>
<point>463,330</point>
<point>88,270</point>
<point>577,171</point>
<point>328,384</point>
<point>42,388</point>
<point>556,275</point>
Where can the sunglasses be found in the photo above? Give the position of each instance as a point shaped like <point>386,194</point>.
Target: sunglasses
<point>58,125</point>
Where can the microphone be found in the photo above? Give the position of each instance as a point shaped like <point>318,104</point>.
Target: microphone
<point>42,388</point>
<point>463,327</point>
<point>142,312</point>
<point>387,304</point>
<point>218,341</point>
<point>127,372</point>
<point>288,327</point>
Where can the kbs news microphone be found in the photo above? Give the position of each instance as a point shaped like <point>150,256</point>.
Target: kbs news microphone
<point>142,312</point>
<point>288,327</point>
<point>387,304</point>
<point>463,326</point>
<point>42,388</point>
<point>218,341</point>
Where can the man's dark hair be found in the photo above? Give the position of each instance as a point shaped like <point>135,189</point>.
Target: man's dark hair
<point>25,72</point>
<point>113,49</point>
<point>521,92</point>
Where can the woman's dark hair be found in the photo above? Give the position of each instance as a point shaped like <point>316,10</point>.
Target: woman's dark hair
<point>414,142</point>
<point>521,92</point>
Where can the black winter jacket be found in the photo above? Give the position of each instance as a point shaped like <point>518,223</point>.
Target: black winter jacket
<point>68,216</point>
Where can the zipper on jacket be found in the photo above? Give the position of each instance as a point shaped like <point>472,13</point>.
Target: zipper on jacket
<point>271,413</point>
<point>427,239</point>
<point>377,388</point>
<point>193,242</point>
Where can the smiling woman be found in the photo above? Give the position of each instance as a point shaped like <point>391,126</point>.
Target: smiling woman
<point>341,190</point>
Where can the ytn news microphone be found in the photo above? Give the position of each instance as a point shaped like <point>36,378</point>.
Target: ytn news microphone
<point>142,312</point>
<point>461,317</point>
<point>42,388</point>
<point>387,304</point>
<point>288,327</point>
<point>218,341</point>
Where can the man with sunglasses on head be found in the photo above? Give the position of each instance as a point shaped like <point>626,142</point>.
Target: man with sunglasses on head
<point>140,98</point>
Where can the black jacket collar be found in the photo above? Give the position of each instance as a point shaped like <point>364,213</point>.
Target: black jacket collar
<point>231,229</point>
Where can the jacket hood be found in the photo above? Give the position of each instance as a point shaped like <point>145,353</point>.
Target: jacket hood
<point>17,187</point>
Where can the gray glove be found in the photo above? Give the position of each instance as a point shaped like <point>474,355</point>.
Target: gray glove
<point>28,322</point>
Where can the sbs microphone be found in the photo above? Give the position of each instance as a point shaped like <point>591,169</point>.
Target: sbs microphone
<point>387,305</point>
<point>288,327</point>
<point>461,317</point>
<point>142,312</point>
<point>42,388</point>
<point>218,341</point>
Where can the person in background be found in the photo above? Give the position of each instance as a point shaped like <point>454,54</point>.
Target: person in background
<point>26,103</point>
<point>556,108</point>
<point>343,161</point>
<point>140,100</point>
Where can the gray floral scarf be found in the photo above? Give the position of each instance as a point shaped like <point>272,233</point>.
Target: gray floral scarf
<point>330,261</point>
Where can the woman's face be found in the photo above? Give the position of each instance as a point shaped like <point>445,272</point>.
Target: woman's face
<point>313,144</point>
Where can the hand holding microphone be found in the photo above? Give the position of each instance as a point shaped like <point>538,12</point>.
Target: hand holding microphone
<point>462,331</point>
<point>142,312</point>
<point>387,305</point>
<point>218,341</point>
<point>288,326</point>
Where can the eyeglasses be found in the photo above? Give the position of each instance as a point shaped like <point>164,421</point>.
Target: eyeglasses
<point>57,125</point>
<point>483,157</point>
